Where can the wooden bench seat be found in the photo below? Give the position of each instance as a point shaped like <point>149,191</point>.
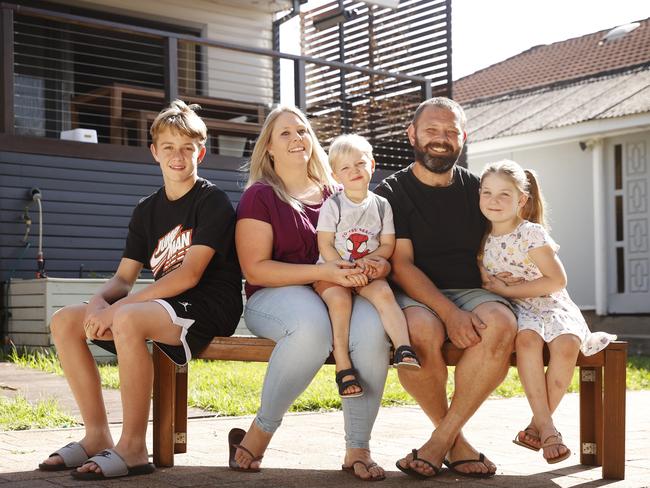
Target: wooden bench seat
<point>602,396</point>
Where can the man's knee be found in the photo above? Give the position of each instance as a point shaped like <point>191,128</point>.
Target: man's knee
<point>425,330</point>
<point>501,326</point>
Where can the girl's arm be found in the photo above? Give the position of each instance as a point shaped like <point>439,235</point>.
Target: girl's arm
<point>326,246</point>
<point>254,242</point>
<point>553,279</point>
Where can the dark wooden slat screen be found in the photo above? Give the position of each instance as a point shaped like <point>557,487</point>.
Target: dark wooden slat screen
<point>414,39</point>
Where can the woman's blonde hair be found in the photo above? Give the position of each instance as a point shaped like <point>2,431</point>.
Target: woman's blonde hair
<point>182,118</point>
<point>342,146</point>
<point>526,182</point>
<point>261,166</point>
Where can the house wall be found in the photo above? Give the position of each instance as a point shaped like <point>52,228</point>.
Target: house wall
<point>232,75</point>
<point>87,205</point>
<point>565,174</point>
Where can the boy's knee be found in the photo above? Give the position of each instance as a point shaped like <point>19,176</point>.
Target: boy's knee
<point>125,324</point>
<point>338,297</point>
<point>62,322</point>
<point>380,291</point>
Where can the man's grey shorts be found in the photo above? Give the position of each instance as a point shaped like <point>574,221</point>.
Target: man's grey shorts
<point>465,299</point>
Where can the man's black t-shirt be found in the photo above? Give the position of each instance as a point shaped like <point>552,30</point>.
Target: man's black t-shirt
<point>444,224</point>
<point>161,231</point>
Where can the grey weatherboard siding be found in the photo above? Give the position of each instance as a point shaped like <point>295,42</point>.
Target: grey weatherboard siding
<point>87,204</point>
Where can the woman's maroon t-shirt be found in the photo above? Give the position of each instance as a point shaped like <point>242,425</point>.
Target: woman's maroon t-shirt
<point>294,233</point>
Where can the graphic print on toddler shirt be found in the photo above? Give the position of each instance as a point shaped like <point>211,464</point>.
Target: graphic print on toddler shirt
<point>357,245</point>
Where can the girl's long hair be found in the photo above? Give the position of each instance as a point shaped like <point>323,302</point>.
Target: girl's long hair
<point>525,180</point>
<point>261,166</point>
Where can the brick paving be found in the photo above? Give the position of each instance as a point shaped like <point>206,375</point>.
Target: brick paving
<point>307,451</point>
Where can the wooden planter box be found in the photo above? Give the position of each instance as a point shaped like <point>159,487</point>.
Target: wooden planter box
<point>32,303</point>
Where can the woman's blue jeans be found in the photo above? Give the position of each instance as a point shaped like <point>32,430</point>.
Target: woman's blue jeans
<point>297,320</point>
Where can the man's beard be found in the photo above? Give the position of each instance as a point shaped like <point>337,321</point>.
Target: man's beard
<point>436,163</point>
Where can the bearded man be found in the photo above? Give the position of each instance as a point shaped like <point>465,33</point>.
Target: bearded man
<point>439,229</point>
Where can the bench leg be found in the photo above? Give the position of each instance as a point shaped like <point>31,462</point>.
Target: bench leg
<point>591,416</point>
<point>180,410</point>
<point>164,393</point>
<point>614,411</point>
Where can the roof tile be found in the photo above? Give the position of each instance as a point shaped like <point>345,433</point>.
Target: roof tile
<point>558,62</point>
<point>607,96</point>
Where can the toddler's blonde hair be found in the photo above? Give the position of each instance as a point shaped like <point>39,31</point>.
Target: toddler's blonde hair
<point>345,144</point>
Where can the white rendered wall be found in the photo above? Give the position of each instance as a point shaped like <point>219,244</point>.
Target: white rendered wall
<point>565,174</point>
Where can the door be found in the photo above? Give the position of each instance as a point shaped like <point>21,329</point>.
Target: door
<point>629,222</point>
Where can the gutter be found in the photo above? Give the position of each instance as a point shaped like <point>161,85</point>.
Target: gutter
<point>600,128</point>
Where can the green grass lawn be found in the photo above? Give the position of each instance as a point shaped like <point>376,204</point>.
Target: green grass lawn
<point>18,414</point>
<point>233,388</point>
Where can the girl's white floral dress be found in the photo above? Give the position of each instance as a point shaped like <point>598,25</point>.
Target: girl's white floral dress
<point>549,315</point>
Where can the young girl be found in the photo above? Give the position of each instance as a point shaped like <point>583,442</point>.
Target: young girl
<point>356,225</point>
<point>518,243</point>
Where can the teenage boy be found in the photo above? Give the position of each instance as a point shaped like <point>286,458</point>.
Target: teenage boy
<point>184,233</point>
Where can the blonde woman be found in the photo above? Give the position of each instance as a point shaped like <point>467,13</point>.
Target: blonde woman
<point>277,247</point>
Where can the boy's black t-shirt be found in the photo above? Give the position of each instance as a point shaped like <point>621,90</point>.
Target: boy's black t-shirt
<point>444,224</point>
<point>161,231</point>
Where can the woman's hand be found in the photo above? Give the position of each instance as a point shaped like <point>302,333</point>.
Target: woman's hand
<point>343,273</point>
<point>358,280</point>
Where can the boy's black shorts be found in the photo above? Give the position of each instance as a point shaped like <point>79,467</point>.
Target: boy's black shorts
<point>199,320</point>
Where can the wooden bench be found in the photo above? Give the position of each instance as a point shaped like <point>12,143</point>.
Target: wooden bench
<point>602,396</point>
